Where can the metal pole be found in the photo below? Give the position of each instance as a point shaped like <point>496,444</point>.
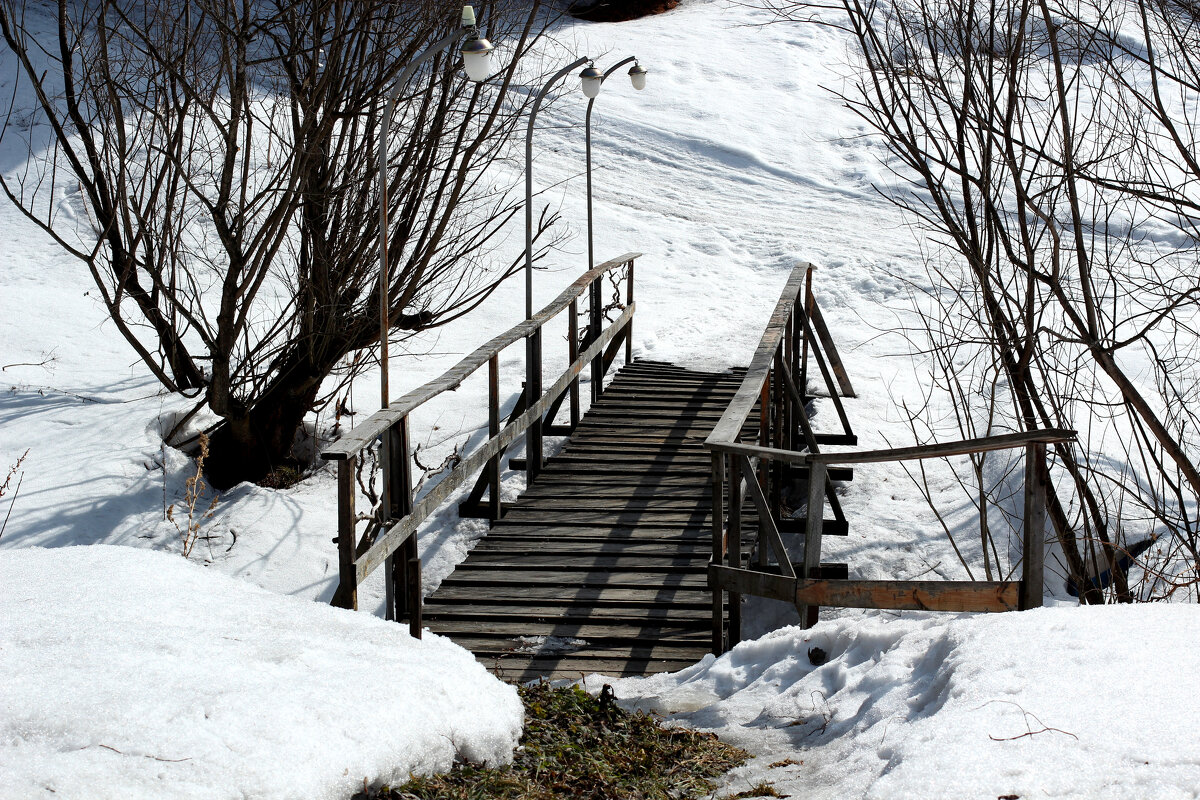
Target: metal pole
<point>533,343</point>
<point>384,272</point>
<point>587,125</point>
<point>392,600</point>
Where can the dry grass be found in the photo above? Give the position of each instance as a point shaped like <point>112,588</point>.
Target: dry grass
<point>580,747</point>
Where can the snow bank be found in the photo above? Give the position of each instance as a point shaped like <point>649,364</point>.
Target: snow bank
<point>130,674</point>
<point>1057,702</point>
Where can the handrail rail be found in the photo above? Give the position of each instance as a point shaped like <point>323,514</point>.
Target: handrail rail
<point>748,392</point>
<point>362,435</point>
<point>1006,441</point>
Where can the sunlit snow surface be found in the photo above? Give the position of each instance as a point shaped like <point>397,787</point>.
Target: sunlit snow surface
<point>1055,702</point>
<point>735,163</point>
<point>129,674</point>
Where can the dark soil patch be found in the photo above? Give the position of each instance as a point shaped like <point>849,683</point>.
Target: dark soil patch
<point>618,10</point>
<point>578,746</point>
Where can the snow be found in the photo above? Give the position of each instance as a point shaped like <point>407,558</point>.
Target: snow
<point>735,163</point>
<point>132,674</point>
<point>1054,702</point>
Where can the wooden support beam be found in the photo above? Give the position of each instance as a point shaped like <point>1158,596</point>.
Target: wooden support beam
<point>347,591</point>
<point>1034,535</point>
<point>827,343</point>
<point>976,596</point>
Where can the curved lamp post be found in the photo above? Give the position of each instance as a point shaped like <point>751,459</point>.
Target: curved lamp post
<point>477,61</point>
<point>591,79</point>
<point>403,585</point>
<point>637,75</point>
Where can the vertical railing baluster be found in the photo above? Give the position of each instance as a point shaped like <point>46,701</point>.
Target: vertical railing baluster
<point>803,387</point>
<point>406,563</point>
<point>595,315</point>
<point>1034,535</point>
<point>734,545</point>
<point>347,596</point>
<point>572,354</point>
<point>495,509</point>
<point>533,393</point>
<point>812,534</point>
<point>779,441</point>
<point>629,302</point>
<point>718,552</point>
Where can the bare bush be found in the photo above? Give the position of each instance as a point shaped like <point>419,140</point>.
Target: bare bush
<point>1051,150</point>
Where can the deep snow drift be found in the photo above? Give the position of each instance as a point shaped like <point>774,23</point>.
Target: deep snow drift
<point>1062,702</point>
<point>130,674</point>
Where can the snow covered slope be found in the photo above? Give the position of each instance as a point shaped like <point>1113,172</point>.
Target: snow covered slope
<point>1057,702</point>
<point>129,674</point>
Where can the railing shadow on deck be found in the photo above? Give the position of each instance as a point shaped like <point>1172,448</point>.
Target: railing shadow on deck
<point>390,535</point>
<point>787,454</point>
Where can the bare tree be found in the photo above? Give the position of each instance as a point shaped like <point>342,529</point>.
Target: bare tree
<point>223,155</point>
<point>1052,146</point>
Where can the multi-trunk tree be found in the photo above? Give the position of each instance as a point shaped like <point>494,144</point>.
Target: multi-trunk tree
<point>213,164</point>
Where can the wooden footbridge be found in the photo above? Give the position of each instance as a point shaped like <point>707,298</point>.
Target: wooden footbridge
<point>631,548</point>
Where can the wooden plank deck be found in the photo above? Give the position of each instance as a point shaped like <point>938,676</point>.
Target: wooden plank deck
<point>602,565</point>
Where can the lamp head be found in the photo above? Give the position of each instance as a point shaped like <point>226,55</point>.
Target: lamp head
<point>637,74</point>
<point>477,58</point>
<point>591,78</point>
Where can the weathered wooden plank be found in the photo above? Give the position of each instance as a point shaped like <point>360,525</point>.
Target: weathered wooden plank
<point>503,647</point>
<point>697,597</point>
<point>551,491</point>
<point>570,614</point>
<point>599,632</point>
<point>595,564</point>
<point>608,504</point>
<point>562,551</point>
<point>532,532</point>
<point>518,669</point>
<point>370,429</point>
<point>657,519</point>
<point>612,579</point>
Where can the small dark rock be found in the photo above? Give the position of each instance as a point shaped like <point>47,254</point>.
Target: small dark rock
<point>817,656</point>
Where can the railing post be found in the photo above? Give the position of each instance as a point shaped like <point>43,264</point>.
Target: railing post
<point>808,299</point>
<point>1034,535</point>
<point>718,552</point>
<point>347,576</point>
<point>495,509</point>
<point>775,470</point>
<point>572,354</point>
<point>812,534</point>
<point>628,303</point>
<point>533,393</point>
<point>595,316</point>
<point>734,545</point>
<point>403,570</point>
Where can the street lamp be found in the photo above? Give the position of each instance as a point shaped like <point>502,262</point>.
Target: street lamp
<point>477,60</point>
<point>476,54</point>
<point>591,79</point>
<point>637,75</point>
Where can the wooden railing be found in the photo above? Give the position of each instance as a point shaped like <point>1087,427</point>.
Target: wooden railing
<point>389,538</point>
<point>786,468</point>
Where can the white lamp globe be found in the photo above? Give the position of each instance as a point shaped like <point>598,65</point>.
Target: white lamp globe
<point>637,74</point>
<point>477,58</point>
<point>591,79</point>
